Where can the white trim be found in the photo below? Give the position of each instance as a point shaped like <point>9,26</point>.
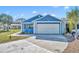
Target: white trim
<point>27,22</point>
<point>34,27</point>
<point>39,21</point>
<point>48,21</point>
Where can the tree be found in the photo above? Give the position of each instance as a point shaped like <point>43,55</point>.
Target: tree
<point>6,20</point>
<point>73,17</point>
<point>19,20</point>
<point>70,21</point>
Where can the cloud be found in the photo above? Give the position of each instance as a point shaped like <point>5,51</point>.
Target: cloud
<point>53,15</point>
<point>45,13</point>
<point>66,7</point>
<point>34,12</point>
<point>49,14</point>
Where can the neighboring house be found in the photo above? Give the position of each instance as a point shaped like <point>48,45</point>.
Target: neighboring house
<point>43,25</point>
<point>15,26</point>
<point>4,27</point>
<point>1,28</point>
<point>66,22</point>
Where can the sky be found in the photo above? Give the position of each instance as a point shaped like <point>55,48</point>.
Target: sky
<point>30,11</point>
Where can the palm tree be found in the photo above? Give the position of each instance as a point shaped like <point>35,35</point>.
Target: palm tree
<point>73,17</point>
<point>70,21</point>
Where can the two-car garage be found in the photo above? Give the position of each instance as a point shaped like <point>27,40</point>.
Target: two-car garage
<point>49,25</point>
<point>44,25</point>
<point>48,28</point>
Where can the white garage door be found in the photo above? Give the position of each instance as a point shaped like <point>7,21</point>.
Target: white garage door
<point>48,28</point>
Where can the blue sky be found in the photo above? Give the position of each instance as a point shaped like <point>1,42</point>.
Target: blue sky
<point>29,11</point>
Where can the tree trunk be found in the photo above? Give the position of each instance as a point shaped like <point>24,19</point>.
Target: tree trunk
<point>76,26</point>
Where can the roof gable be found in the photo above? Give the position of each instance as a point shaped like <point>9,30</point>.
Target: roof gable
<point>48,18</point>
<point>33,18</point>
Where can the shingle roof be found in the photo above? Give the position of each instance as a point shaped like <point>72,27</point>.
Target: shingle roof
<point>34,18</point>
<point>48,18</point>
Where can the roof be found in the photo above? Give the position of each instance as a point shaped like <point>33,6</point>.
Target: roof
<point>34,18</point>
<point>48,18</point>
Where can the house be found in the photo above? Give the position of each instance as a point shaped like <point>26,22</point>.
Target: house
<point>1,28</point>
<point>15,26</point>
<point>17,23</point>
<point>43,25</point>
<point>4,27</point>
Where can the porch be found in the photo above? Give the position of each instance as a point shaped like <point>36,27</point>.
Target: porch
<point>27,28</point>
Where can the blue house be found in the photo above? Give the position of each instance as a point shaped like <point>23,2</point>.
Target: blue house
<point>43,25</point>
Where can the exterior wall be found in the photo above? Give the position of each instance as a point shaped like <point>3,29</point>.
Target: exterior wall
<point>63,27</point>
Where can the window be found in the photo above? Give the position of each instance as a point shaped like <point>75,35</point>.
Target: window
<point>30,26</point>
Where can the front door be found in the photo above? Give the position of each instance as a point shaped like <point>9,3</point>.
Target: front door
<point>30,28</point>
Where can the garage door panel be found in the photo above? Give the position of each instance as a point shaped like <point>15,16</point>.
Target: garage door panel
<point>48,28</point>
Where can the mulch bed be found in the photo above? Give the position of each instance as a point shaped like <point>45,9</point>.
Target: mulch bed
<point>73,47</point>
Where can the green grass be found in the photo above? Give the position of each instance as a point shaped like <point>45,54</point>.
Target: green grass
<point>5,36</point>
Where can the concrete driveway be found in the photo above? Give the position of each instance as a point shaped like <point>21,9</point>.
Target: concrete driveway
<point>36,44</point>
<point>60,38</point>
<point>53,43</point>
<point>21,46</point>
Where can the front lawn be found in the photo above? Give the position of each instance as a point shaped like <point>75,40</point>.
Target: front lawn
<point>5,36</point>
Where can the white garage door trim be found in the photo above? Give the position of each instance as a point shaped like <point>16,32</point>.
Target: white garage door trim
<point>45,28</point>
